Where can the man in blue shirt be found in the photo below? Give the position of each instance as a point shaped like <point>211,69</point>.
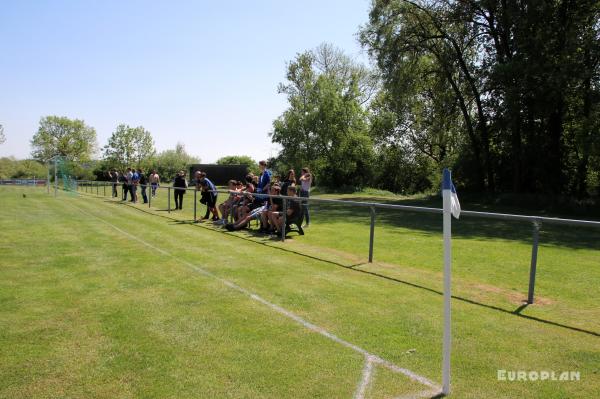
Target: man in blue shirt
<point>135,181</point>
<point>264,179</point>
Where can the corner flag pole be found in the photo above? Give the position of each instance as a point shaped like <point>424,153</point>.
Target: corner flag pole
<point>447,192</point>
<point>55,179</point>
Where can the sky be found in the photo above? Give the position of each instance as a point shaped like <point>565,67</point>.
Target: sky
<point>203,73</point>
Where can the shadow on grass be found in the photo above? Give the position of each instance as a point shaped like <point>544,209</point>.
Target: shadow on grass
<point>516,312</point>
<point>355,268</point>
<point>466,227</point>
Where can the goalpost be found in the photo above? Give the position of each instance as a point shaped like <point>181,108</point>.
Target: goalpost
<point>62,168</point>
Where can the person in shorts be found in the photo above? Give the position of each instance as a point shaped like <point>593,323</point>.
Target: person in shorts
<point>258,212</point>
<point>275,205</point>
<point>154,182</point>
<point>226,206</point>
<point>293,210</point>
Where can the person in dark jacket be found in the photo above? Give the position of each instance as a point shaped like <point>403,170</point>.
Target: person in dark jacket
<point>208,195</point>
<point>180,185</point>
<point>143,185</point>
<point>290,180</point>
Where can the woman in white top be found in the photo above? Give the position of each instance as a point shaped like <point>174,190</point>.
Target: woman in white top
<point>305,182</point>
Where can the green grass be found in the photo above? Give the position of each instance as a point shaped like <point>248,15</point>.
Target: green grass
<point>87,311</point>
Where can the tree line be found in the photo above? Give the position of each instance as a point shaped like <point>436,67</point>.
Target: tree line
<point>507,94</point>
<point>127,146</point>
<point>77,144</point>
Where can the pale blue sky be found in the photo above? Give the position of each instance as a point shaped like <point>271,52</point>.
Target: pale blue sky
<point>204,73</point>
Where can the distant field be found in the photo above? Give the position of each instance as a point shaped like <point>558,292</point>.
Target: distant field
<point>104,299</point>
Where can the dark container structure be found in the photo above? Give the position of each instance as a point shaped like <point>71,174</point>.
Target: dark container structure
<point>220,174</point>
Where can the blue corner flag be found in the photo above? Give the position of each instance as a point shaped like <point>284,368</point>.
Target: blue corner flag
<point>448,185</point>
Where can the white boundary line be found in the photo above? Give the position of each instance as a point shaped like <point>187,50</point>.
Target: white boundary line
<point>365,379</point>
<point>370,358</point>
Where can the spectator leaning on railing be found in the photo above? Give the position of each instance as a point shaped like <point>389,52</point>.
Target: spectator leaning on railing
<point>208,195</point>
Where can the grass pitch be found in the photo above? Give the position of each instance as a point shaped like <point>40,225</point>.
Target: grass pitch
<point>103,299</point>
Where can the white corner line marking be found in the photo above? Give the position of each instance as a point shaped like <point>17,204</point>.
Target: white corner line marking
<point>370,358</point>
<point>365,379</point>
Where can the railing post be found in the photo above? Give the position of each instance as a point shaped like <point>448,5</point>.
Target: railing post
<point>97,190</point>
<point>55,179</point>
<point>532,270</point>
<point>372,236</point>
<point>150,196</point>
<point>283,226</point>
<point>169,199</point>
<point>195,203</point>
<point>104,189</point>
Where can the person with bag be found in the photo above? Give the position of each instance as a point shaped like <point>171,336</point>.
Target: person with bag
<point>208,195</point>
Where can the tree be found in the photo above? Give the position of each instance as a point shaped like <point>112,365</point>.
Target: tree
<point>169,162</point>
<point>129,147</point>
<point>239,160</point>
<point>11,168</point>
<point>72,139</point>
<point>30,168</point>
<point>2,136</point>
<point>523,76</point>
<point>325,126</point>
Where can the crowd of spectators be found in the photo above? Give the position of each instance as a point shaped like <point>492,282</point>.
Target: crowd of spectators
<point>254,199</point>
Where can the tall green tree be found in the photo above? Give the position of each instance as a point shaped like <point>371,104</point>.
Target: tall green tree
<point>129,147</point>
<point>413,40</point>
<point>70,138</point>
<point>11,168</point>
<point>325,126</point>
<point>167,163</point>
<point>524,76</point>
